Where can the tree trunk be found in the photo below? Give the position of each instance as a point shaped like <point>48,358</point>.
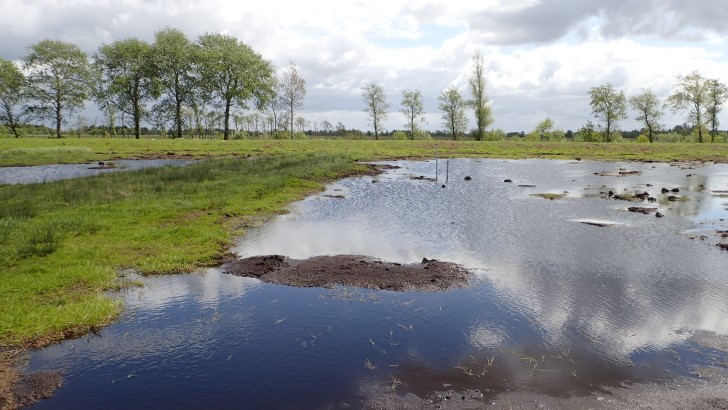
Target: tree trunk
<point>291,119</point>
<point>178,107</point>
<point>137,114</point>
<point>376,125</point>
<point>227,119</point>
<point>59,120</point>
<point>609,126</point>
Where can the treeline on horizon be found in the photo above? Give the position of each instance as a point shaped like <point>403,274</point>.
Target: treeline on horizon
<point>217,86</point>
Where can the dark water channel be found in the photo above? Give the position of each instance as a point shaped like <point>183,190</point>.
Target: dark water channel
<point>46,173</point>
<point>555,306</point>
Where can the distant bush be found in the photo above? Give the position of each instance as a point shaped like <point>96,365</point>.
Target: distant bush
<point>674,137</point>
<point>494,135</point>
<point>422,135</point>
<point>354,135</point>
<point>642,139</point>
<point>616,136</point>
<point>587,133</point>
<point>400,136</point>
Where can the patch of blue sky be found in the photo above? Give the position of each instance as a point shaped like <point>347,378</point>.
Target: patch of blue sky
<point>430,35</point>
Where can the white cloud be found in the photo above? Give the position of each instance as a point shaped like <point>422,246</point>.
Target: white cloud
<point>542,55</point>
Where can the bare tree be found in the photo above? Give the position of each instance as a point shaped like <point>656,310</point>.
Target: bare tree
<point>691,95</point>
<point>480,104</point>
<point>291,92</point>
<point>647,106</point>
<point>376,105</point>
<point>453,106</point>
<point>413,110</point>
<point>326,127</point>
<point>301,123</point>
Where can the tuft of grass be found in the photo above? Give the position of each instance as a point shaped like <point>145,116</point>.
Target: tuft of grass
<point>550,196</point>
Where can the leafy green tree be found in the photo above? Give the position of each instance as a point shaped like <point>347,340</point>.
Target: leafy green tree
<point>60,80</point>
<point>126,79</point>
<point>413,110</point>
<point>174,60</point>
<point>717,96</point>
<point>12,96</point>
<point>233,74</point>
<point>692,96</point>
<point>376,105</point>
<point>542,131</point>
<point>647,105</point>
<point>453,107</point>
<point>609,106</point>
<point>480,104</point>
<point>291,93</point>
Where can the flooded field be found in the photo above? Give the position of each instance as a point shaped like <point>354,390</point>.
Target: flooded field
<point>46,173</point>
<point>571,295</point>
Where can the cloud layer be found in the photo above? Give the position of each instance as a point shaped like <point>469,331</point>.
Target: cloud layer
<point>542,56</point>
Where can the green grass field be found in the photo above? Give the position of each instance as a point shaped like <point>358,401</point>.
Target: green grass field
<point>37,151</point>
<point>63,243</point>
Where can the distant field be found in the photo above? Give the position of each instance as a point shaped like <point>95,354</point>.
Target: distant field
<point>37,151</point>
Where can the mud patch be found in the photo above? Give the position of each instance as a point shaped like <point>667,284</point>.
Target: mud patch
<point>351,270</point>
<point>597,222</point>
<point>708,391</point>
<point>642,210</point>
<point>21,390</point>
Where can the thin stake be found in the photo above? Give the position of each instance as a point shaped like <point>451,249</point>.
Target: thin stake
<point>437,152</point>
<point>447,172</point>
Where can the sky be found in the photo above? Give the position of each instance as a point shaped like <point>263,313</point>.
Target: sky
<point>541,56</point>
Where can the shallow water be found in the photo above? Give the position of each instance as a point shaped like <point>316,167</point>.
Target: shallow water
<point>46,173</point>
<point>555,306</point>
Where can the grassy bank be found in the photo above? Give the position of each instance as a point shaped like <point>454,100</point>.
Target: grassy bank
<point>62,243</point>
<point>51,151</point>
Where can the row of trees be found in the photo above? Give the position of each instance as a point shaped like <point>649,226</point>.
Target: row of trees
<point>452,104</point>
<point>166,82</point>
<point>700,97</point>
<point>209,83</point>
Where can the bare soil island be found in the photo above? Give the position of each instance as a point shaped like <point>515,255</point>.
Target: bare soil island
<point>351,270</point>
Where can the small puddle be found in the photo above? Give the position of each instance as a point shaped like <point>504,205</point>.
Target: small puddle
<point>554,306</point>
<point>46,173</point>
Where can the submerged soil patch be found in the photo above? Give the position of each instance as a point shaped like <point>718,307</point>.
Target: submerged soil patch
<point>20,390</point>
<point>351,270</point>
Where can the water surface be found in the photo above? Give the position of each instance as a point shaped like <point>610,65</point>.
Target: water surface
<point>46,173</point>
<point>555,306</point>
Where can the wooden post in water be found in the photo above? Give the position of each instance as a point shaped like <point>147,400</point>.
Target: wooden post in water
<point>447,172</point>
<point>437,147</point>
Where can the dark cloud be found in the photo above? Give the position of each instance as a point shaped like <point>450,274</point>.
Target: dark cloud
<point>550,20</point>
